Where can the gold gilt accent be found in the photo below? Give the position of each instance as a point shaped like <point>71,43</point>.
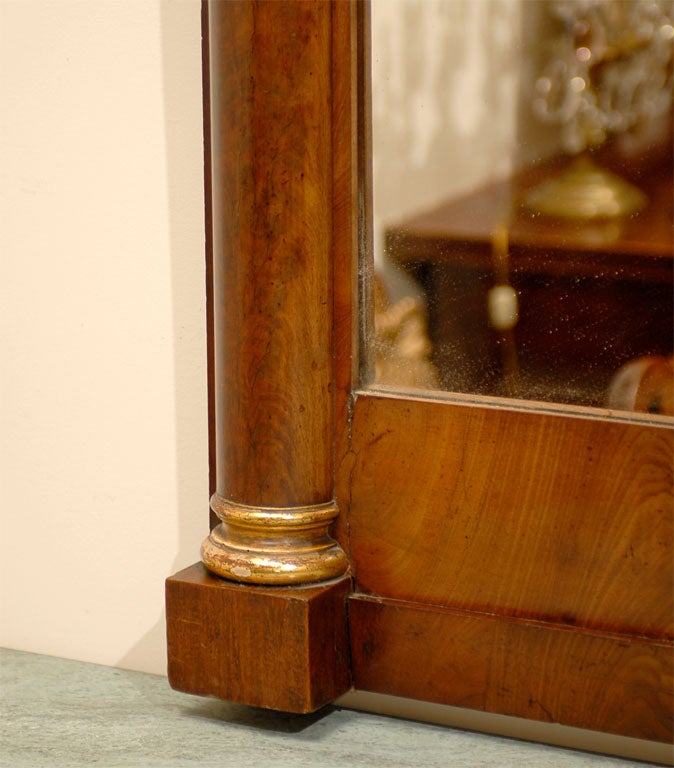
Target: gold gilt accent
<point>273,545</point>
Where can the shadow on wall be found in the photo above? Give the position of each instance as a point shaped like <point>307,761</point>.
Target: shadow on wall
<point>181,64</point>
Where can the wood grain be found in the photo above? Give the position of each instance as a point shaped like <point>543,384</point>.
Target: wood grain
<point>346,80</point>
<point>508,558</point>
<point>270,143</point>
<point>546,516</point>
<point>270,93</point>
<point>208,243</point>
<point>610,683</point>
<point>282,648</point>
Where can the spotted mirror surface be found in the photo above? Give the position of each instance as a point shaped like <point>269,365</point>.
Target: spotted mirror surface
<point>522,200</point>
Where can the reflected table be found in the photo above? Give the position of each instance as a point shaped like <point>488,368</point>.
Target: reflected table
<point>591,295</point>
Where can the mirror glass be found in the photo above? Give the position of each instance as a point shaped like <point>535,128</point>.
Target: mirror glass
<point>522,200</point>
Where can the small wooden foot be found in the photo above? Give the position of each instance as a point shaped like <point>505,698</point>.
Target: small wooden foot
<point>283,648</point>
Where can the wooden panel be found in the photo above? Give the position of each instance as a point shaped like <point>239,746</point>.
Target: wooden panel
<point>610,683</point>
<point>281,648</point>
<point>541,515</point>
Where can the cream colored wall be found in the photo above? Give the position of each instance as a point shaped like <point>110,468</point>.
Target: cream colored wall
<point>103,447</point>
<point>104,434</point>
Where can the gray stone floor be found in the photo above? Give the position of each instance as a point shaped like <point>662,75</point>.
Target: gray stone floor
<point>60,713</point>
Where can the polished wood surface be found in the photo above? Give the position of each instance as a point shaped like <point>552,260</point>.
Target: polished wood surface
<point>347,77</point>
<point>530,547</point>
<point>269,141</point>
<point>281,648</point>
<point>593,680</point>
<point>208,243</point>
<point>271,169</point>
<point>545,516</point>
<point>271,158</point>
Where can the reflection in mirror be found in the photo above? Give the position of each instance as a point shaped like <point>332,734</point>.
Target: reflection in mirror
<point>522,199</point>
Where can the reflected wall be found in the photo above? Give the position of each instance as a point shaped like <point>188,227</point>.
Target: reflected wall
<point>480,289</point>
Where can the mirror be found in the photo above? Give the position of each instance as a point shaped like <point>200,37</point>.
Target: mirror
<point>522,199</point>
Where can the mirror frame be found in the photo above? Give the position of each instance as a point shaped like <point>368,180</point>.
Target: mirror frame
<point>487,553</point>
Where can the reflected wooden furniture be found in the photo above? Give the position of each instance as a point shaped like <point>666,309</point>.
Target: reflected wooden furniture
<point>501,558</point>
<point>591,295</point>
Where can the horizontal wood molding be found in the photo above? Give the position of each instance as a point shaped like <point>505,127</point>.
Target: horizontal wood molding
<point>611,683</point>
<point>545,516</point>
<point>283,648</point>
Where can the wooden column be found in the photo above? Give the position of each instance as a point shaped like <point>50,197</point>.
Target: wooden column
<point>272,233</point>
<point>256,635</point>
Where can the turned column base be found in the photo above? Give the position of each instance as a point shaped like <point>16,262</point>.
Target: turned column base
<point>270,545</point>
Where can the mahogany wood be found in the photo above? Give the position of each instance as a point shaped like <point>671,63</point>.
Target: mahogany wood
<point>208,243</point>
<point>271,163</point>
<point>271,156</point>
<point>495,545</point>
<point>269,145</point>
<point>346,213</point>
<point>545,516</point>
<point>507,516</point>
<point>610,683</point>
<point>282,648</point>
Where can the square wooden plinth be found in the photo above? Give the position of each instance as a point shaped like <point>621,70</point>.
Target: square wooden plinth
<point>283,648</point>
